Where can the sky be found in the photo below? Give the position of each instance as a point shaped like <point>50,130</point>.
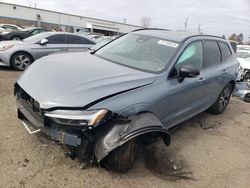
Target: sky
<point>215,17</point>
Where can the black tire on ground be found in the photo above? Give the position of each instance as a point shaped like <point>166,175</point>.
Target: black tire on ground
<point>20,61</point>
<point>16,38</point>
<point>122,158</point>
<point>222,101</point>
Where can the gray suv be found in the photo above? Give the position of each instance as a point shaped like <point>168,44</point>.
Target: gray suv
<point>131,91</point>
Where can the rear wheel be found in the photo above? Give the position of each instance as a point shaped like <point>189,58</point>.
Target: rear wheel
<point>20,61</point>
<point>122,158</point>
<point>221,103</point>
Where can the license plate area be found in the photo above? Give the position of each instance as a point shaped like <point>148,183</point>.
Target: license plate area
<point>29,128</point>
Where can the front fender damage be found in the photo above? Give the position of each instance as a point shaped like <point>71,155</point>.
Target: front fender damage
<point>121,131</point>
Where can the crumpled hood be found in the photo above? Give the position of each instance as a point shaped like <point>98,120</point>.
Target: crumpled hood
<point>244,63</point>
<point>78,79</point>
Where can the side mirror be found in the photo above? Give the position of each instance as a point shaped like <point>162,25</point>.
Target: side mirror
<point>44,41</point>
<point>188,71</point>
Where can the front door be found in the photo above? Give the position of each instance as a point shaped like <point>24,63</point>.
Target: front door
<point>56,43</point>
<point>189,97</point>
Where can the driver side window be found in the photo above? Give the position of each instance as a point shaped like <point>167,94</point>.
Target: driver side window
<point>192,55</point>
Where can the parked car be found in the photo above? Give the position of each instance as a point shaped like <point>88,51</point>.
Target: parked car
<point>101,43</point>
<point>22,34</point>
<point>6,28</point>
<point>12,27</point>
<point>20,54</point>
<point>242,88</point>
<point>131,91</point>
<point>95,36</point>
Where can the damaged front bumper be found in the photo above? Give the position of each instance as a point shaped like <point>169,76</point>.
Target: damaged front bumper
<point>242,87</point>
<point>34,123</point>
<point>242,90</point>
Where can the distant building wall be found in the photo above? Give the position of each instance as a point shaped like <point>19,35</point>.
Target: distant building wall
<point>28,16</point>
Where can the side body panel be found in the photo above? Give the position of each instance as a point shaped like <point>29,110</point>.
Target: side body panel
<point>173,102</point>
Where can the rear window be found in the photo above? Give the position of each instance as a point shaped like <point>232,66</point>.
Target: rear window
<point>57,39</point>
<point>225,51</point>
<point>212,53</point>
<point>72,39</point>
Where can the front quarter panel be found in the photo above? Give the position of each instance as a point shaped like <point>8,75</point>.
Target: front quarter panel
<point>132,102</point>
<point>118,132</point>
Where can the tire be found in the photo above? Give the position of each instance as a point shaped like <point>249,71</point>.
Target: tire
<point>16,38</point>
<point>222,101</point>
<point>122,158</point>
<point>20,61</point>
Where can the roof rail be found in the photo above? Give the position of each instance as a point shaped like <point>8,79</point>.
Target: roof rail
<point>200,35</point>
<point>151,29</point>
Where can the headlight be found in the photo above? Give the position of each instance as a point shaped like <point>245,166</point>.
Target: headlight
<point>5,47</point>
<point>77,117</point>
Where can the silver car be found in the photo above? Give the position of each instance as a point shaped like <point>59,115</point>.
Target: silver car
<point>20,54</point>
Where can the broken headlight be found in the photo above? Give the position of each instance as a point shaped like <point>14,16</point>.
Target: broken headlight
<point>77,117</point>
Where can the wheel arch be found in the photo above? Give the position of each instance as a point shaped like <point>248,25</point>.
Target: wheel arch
<point>232,82</point>
<point>121,131</point>
<point>21,51</point>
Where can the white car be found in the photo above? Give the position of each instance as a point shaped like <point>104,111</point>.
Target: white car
<point>243,79</point>
<point>6,28</point>
<point>11,27</point>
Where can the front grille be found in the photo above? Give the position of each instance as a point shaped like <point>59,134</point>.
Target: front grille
<point>32,103</point>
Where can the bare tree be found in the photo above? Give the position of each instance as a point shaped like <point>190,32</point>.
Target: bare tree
<point>146,22</point>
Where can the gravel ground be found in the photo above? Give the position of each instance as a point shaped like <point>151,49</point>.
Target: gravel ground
<point>207,151</point>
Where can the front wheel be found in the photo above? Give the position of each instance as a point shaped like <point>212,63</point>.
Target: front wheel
<point>222,101</point>
<point>122,158</point>
<point>16,38</point>
<point>20,61</point>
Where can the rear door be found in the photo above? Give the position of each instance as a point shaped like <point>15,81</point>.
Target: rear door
<point>56,43</point>
<point>213,69</point>
<point>78,43</point>
<point>229,64</point>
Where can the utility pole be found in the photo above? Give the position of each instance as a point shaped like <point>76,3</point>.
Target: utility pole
<point>185,24</point>
<point>199,29</point>
<point>35,5</point>
<point>124,20</point>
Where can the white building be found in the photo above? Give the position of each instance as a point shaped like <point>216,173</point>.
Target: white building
<point>29,16</point>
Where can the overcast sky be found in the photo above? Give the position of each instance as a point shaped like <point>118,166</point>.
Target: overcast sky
<point>215,16</point>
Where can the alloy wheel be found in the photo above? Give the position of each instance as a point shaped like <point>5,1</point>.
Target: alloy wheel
<point>22,62</point>
<point>224,98</point>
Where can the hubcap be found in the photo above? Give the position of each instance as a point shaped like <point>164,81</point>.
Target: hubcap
<point>22,62</point>
<point>224,98</point>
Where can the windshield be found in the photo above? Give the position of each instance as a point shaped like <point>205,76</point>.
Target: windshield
<point>139,51</point>
<point>37,37</point>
